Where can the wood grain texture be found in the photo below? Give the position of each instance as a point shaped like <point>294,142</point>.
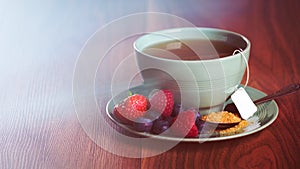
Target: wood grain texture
<point>39,125</point>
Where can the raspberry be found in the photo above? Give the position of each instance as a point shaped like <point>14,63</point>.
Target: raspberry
<point>162,101</point>
<point>193,132</point>
<point>184,124</point>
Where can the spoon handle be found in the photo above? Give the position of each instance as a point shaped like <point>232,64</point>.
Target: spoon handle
<point>284,91</point>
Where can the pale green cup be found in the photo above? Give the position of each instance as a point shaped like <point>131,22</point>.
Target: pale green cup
<point>203,84</point>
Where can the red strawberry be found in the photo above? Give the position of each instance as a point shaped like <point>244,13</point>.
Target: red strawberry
<point>136,102</point>
<point>162,101</point>
<point>133,107</point>
<point>184,124</point>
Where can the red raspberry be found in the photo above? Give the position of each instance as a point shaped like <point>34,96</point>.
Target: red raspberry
<point>193,132</point>
<point>162,101</point>
<point>184,124</point>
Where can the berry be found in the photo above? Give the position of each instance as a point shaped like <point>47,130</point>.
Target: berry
<point>193,132</point>
<point>159,126</point>
<point>119,116</point>
<point>153,115</point>
<point>176,110</point>
<point>170,119</point>
<point>131,108</point>
<point>184,123</point>
<point>136,102</point>
<point>162,101</point>
<point>199,123</point>
<point>142,124</point>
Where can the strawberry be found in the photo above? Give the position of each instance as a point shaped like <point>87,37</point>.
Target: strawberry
<point>162,101</point>
<point>136,102</point>
<point>131,108</point>
<point>184,124</point>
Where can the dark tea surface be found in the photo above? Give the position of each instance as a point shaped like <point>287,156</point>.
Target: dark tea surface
<point>191,49</point>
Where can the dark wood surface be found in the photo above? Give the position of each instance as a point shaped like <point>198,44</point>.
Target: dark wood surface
<point>39,47</point>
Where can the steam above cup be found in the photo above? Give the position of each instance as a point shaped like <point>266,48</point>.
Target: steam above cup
<point>204,80</point>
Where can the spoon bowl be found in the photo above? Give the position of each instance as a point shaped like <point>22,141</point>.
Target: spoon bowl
<point>220,126</point>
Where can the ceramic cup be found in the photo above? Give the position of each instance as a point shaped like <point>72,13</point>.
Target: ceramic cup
<point>204,83</point>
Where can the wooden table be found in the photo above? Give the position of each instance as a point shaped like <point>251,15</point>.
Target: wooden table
<point>39,47</point>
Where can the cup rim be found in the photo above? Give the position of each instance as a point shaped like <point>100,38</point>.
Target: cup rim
<point>227,58</point>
